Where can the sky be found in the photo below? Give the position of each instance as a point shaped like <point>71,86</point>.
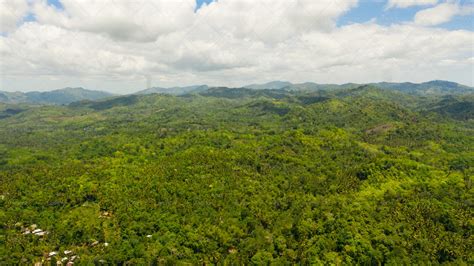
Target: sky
<point>123,46</point>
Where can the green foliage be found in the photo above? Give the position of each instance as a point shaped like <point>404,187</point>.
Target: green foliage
<point>239,177</point>
<point>62,96</point>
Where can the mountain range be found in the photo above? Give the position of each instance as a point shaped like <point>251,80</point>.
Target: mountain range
<point>434,87</point>
<point>173,90</point>
<point>56,97</point>
<point>70,95</point>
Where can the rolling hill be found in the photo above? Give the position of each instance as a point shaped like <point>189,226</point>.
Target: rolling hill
<point>430,88</point>
<point>58,97</point>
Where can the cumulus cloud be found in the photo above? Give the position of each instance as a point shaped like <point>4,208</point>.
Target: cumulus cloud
<point>11,13</point>
<point>229,42</point>
<point>441,13</point>
<point>140,20</point>
<point>37,49</point>
<point>272,21</point>
<point>146,20</point>
<point>409,3</point>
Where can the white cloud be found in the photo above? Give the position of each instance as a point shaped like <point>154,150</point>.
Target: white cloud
<point>146,20</point>
<point>409,3</point>
<point>270,20</point>
<point>11,13</point>
<point>441,13</point>
<point>138,20</point>
<point>228,42</point>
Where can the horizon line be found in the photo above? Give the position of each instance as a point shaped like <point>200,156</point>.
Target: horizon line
<point>223,86</point>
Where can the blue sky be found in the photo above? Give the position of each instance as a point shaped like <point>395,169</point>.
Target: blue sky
<point>376,9</point>
<point>368,10</point>
<point>55,3</point>
<point>201,2</point>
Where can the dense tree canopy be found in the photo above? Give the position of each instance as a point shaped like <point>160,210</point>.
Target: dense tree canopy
<point>361,176</point>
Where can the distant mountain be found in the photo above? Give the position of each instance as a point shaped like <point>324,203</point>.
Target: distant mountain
<point>126,100</point>
<point>58,97</point>
<point>460,108</point>
<point>235,93</point>
<point>307,86</point>
<point>274,85</point>
<point>12,97</point>
<point>311,86</point>
<point>174,90</point>
<point>70,95</point>
<point>435,87</point>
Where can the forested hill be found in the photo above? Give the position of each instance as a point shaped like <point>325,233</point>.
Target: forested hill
<point>430,88</point>
<point>58,97</point>
<point>69,95</point>
<point>361,175</point>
